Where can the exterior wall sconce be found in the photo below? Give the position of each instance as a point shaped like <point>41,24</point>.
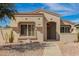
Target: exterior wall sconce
<point>25,18</point>
<point>38,18</point>
<point>51,19</point>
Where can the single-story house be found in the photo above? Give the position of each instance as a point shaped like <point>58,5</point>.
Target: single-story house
<point>41,25</point>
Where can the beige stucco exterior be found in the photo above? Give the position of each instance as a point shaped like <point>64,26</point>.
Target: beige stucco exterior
<point>77,28</point>
<point>40,18</point>
<point>42,24</point>
<point>37,19</point>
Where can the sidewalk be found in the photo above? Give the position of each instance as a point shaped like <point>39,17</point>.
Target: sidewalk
<point>52,50</point>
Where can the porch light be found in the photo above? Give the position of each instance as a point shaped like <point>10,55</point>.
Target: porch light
<point>51,19</point>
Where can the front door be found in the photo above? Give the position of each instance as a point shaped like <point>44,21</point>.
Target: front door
<point>51,31</point>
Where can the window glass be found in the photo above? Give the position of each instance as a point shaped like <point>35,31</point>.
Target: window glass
<point>27,29</point>
<point>33,30</point>
<point>62,29</point>
<point>65,29</point>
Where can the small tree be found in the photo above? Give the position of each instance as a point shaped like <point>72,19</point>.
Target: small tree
<point>7,10</point>
<point>7,26</point>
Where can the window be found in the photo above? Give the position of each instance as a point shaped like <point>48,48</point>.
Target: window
<point>27,29</point>
<point>23,29</point>
<point>65,28</point>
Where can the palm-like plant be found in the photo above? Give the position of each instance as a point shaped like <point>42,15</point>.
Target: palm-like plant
<point>7,9</point>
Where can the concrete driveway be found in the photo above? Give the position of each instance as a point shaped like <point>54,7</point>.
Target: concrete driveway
<point>52,49</point>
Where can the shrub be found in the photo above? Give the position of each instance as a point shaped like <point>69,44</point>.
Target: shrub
<point>11,37</point>
<point>78,37</point>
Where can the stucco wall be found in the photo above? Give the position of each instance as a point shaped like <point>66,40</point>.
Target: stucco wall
<point>37,19</point>
<point>68,37</point>
<point>51,18</point>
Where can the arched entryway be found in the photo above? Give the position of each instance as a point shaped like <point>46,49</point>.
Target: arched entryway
<point>51,31</point>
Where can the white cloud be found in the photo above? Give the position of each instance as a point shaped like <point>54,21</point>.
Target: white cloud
<point>66,10</point>
<point>66,13</point>
<point>56,6</point>
<point>76,20</point>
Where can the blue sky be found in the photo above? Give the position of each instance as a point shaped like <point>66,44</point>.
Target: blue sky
<point>68,11</point>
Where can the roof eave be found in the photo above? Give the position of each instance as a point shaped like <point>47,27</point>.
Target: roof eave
<point>53,13</point>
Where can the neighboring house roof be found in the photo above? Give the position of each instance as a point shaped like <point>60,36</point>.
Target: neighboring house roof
<point>42,10</point>
<point>66,22</point>
<point>77,25</point>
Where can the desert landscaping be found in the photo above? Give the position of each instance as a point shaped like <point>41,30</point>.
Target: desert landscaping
<point>41,49</point>
<point>69,49</point>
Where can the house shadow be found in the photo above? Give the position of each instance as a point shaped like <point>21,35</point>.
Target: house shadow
<point>24,47</point>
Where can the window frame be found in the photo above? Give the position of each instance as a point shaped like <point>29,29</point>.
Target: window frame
<point>28,31</point>
<point>66,28</point>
